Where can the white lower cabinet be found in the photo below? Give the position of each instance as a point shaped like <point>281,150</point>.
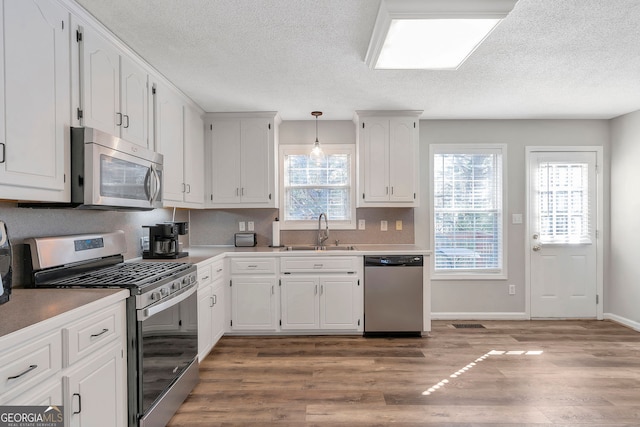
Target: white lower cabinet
<point>321,302</point>
<point>76,360</point>
<point>321,294</point>
<point>211,306</point>
<point>253,304</point>
<point>253,287</point>
<point>93,390</point>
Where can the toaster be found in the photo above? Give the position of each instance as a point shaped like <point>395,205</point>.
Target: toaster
<point>245,239</point>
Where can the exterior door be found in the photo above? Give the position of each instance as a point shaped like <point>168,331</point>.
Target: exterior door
<point>563,244</point>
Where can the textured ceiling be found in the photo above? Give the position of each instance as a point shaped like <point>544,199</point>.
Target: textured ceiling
<point>548,59</point>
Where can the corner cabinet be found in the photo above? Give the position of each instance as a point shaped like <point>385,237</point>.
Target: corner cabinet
<point>179,138</point>
<point>388,163</point>
<point>242,160</point>
<point>34,100</point>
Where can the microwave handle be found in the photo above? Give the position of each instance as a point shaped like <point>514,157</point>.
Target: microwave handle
<point>153,189</point>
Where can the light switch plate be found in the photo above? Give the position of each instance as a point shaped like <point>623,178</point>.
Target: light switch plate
<point>516,218</point>
<point>361,224</point>
<point>383,225</point>
<point>399,225</point>
<point>250,226</point>
<point>241,226</point>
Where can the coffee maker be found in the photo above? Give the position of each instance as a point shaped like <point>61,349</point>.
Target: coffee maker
<point>5,264</point>
<point>163,240</point>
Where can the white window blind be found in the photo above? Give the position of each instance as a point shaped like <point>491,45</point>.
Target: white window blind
<point>468,210</point>
<point>563,208</point>
<point>311,188</point>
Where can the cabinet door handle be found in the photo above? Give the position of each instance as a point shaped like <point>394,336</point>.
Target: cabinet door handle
<point>211,302</point>
<point>237,191</point>
<point>386,190</point>
<point>252,266</point>
<point>3,152</point>
<point>118,119</point>
<point>104,331</point>
<point>188,188</point>
<point>315,292</point>
<point>126,117</point>
<point>205,278</point>
<point>215,299</point>
<point>184,187</point>
<point>317,265</point>
<point>79,403</point>
<point>218,270</point>
<point>242,191</point>
<point>321,289</point>
<point>25,372</point>
<point>392,190</point>
<point>272,290</point>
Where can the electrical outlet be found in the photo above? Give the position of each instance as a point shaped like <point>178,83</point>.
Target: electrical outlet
<point>399,225</point>
<point>361,224</point>
<point>250,226</point>
<point>512,289</point>
<point>241,226</point>
<point>383,225</point>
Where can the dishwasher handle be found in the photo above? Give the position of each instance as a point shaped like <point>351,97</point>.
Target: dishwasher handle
<point>394,261</point>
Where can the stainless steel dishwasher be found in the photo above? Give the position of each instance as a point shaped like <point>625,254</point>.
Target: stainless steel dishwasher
<point>393,295</point>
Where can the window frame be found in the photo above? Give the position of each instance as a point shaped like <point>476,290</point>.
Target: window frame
<point>470,274</point>
<point>305,149</point>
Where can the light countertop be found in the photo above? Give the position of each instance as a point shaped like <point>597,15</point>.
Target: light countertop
<point>202,253</point>
<point>28,307</point>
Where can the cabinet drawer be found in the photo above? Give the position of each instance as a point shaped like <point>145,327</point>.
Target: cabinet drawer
<point>92,333</point>
<point>204,276</point>
<point>330,264</point>
<point>31,364</point>
<point>253,266</point>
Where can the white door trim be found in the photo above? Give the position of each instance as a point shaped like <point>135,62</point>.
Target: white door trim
<point>599,220</point>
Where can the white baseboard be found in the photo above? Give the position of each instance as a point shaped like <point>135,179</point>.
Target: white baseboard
<point>623,321</point>
<point>480,316</point>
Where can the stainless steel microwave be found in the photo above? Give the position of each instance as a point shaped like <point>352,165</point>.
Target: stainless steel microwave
<point>111,173</point>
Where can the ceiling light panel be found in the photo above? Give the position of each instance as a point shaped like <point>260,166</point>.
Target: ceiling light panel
<point>431,34</point>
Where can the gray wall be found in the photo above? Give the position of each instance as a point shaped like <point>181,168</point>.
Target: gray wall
<point>622,292</point>
<point>25,222</point>
<point>489,298</point>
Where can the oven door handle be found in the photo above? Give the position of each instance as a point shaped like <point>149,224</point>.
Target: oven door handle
<point>144,314</point>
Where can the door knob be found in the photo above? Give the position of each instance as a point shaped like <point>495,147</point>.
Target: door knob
<point>536,248</point>
<point>536,236</point>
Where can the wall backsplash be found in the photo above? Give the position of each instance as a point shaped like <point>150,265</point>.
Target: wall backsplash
<point>23,223</point>
<point>217,227</point>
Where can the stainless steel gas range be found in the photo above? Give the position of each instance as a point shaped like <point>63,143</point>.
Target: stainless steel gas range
<point>162,321</point>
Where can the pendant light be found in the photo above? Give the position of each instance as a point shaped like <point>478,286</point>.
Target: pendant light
<point>316,155</point>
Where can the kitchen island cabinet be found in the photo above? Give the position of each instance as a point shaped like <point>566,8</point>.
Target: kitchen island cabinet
<point>242,160</point>
<point>35,101</point>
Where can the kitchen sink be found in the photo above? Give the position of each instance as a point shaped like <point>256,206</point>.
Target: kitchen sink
<point>320,248</point>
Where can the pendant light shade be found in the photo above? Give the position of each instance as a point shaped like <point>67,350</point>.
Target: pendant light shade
<point>316,155</point>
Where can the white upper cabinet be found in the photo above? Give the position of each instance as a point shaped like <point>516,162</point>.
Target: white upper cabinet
<point>134,102</point>
<point>170,142</point>
<point>179,137</point>
<point>388,168</point>
<point>242,160</point>
<point>193,156</point>
<point>35,100</point>
<point>113,89</point>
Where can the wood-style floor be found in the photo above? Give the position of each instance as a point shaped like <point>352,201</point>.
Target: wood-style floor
<point>513,373</point>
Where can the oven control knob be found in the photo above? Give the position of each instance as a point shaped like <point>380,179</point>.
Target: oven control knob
<point>175,286</point>
<point>155,296</point>
<point>186,280</point>
<point>164,292</point>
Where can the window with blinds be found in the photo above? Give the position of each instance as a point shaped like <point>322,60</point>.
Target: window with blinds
<point>563,207</point>
<point>311,188</point>
<point>468,209</point>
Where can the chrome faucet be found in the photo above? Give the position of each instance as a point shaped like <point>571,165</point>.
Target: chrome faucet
<point>322,235</point>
